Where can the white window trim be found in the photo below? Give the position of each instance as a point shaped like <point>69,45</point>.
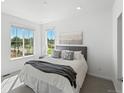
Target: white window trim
<point>23,56</point>
<point>17,58</point>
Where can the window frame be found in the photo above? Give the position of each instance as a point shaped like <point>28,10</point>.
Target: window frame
<point>53,30</point>
<point>23,45</point>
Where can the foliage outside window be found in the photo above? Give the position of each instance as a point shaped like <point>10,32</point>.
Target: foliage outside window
<point>21,42</point>
<point>50,41</point>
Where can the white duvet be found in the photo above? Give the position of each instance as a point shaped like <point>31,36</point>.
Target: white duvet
<point>42,82</point>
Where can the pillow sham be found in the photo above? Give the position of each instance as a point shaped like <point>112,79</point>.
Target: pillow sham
<point>56,54</point>
<point>67,55</point>
<point>77,54</point>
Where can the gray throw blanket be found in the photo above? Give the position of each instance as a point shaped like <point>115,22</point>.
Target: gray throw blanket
<point>63,70</point>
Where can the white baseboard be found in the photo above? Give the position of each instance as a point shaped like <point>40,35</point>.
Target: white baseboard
<point>115,85</point>
<point>99,76</point>
<point>115,82</point>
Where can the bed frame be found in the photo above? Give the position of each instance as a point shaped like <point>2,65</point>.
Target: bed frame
<point>74,48</point>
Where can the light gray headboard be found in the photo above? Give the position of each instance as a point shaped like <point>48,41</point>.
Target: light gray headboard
<point>74,48</point>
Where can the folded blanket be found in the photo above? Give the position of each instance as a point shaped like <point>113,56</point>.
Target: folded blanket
<point>62,70</point>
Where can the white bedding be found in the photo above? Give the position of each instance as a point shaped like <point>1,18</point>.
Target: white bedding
<point>42,82</point>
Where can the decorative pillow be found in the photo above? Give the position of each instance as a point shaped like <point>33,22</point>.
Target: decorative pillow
<point>56,54</point>
<point>67,55</point>
<point>77,54</point>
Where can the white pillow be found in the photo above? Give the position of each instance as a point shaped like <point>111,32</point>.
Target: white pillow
<point>82,57</point>
<point>77,54</point>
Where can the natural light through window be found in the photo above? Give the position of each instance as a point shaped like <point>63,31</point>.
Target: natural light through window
<point>21,42</point>
<point>50,41</point>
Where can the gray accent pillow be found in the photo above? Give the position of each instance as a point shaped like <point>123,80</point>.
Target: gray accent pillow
<point>56,54</point>
<point>67,55</point>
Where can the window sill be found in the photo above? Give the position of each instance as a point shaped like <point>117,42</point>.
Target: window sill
<point>21,57</point>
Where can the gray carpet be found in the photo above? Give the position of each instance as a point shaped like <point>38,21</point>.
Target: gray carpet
<point>91,85</point>
<point>97,85</point>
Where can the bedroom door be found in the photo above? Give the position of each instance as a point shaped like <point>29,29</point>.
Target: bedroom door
<point>119,52</point>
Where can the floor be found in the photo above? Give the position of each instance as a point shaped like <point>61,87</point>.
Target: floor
<point>91,85</point>
<point>97,85</point>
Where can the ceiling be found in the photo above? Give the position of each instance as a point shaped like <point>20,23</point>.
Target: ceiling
<point>43,11</point>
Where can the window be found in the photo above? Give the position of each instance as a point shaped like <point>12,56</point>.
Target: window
<point>50,41</point>
<point>21,42</point>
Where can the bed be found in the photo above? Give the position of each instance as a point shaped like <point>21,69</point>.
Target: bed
<point>42,82</point>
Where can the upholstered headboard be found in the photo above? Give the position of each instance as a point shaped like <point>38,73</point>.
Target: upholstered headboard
<point>74,48</point>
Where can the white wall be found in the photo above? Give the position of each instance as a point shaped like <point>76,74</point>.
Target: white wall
<point>8,65</point>
<point>117,10</point>
<point>97,32</point>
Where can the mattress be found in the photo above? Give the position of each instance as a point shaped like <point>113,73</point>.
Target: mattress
<point>42,82</point>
